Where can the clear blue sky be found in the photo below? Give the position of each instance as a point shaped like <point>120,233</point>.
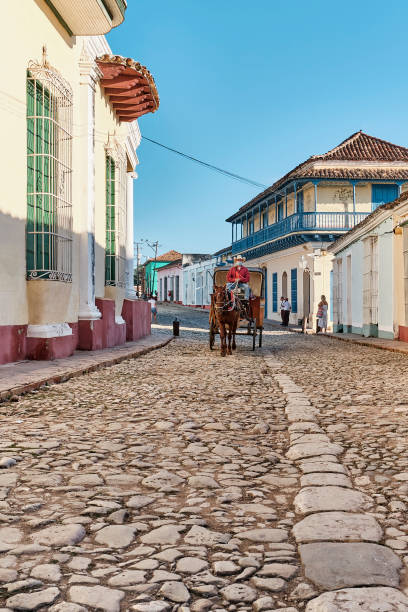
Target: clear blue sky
<point>254,87</point>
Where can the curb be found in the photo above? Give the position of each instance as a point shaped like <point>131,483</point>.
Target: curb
<point>60,378</point>
<point>391,349</point>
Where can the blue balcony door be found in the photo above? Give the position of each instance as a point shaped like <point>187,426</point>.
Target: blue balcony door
<point>381,194</point>
<point>280,211</point>
<point>265,219</point>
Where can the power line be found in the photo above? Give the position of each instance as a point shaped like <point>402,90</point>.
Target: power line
<point>237,177</point>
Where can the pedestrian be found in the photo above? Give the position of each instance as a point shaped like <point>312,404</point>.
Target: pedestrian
<point>322,309</point>
<point>286,311</point>
<point>282,311</point>
<point>153,306</point>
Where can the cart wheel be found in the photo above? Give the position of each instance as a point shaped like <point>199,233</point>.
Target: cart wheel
<point>212,336</point>
<point>254,338</point>
<point>260,337</point>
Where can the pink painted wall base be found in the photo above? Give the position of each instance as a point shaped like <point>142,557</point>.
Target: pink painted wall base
<point>86,335</point>
<point>137,315</point>
<point>403,333</point>
<point>12,343</point>
<point>47,349</point>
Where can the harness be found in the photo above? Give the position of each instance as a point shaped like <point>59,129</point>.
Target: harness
<point>231,300</point>
<point>229,304</point>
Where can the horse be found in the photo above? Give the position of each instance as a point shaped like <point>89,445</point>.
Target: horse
<point>226,314</point>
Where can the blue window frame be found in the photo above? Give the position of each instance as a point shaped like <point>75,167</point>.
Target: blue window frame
<point>275,292</point>
<point>382,194</point>
<point>280,211</point>
<point>251,225</point>
<point>293,288</point>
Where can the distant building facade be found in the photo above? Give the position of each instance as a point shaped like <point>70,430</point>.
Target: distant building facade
<point>69,116</point>
<point>171,277</point>
<point>151,267</point>
<point>370,275</point>
<point>198,278</point>
<point>288,228</point>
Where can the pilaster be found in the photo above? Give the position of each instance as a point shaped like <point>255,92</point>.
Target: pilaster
<point>130,292</point>
<point>89,76</point>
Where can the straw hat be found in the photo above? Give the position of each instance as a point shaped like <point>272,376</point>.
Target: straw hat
<point>239,259</point>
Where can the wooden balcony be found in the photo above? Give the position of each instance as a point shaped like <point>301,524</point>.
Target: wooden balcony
<point>300,223</point>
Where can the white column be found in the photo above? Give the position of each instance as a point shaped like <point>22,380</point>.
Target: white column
<point>130,292</point>
<point>89,75</point>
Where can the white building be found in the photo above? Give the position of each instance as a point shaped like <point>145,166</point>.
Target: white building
<point>288,228</point>
<point>198,278</point>
<point>370,275</point>
<point>68,112</point>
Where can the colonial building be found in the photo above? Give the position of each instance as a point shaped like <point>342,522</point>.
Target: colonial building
<point>288,228</point>
<point>370,274</point>
<point>170,277</point>
<point>151,267</point>
<point>198,278</point>
<point>68,112</point>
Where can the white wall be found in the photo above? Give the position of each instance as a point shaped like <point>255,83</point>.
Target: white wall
<point>285,261</point>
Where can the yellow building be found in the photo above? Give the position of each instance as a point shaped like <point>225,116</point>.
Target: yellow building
<point>288,228</point>
<point>68,111</point>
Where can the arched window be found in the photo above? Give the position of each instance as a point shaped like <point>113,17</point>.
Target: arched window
<point>49,174</point>
<point>285,284</point>
<point>115,253</point>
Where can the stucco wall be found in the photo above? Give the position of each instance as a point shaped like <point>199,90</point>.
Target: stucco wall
<point>285,261</point>
<point>385,277</point>
<point>203,271</point>
<point>170,274</point>
<point>30,25</point>
<point>386,274</point>
<point>41,28</point>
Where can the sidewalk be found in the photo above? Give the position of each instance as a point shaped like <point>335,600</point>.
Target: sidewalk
<point>395,346</point>
<point>24,376</point>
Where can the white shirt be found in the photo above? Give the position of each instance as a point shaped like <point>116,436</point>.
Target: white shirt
<point>286,305</point>
<point>152,303</point>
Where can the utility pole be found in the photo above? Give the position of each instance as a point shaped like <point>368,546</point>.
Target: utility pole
<point>154,246</point>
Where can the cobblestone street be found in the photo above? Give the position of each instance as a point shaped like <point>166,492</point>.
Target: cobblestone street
<point>268,480</point>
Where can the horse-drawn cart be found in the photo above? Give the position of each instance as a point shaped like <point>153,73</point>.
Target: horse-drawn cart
<point>251,312</point>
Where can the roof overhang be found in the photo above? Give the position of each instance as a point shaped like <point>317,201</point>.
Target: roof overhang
<point>88,17</point>
<point>129,86</point>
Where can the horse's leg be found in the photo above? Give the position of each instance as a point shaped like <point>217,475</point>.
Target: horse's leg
<point>229,351</point>
<point>222,338</point>
<point>234,331</point>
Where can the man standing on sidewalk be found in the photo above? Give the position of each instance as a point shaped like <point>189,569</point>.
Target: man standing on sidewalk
<point>282,312</point>
<point>286,307</point>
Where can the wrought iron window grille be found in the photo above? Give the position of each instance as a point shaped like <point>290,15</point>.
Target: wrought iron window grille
<point>49,174</point>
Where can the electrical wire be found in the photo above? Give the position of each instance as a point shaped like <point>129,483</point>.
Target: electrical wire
<point>231,175</point>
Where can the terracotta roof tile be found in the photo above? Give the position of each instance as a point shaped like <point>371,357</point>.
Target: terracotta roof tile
<point>169,256</point>
<point>361,146</point>
<point>358,147</point>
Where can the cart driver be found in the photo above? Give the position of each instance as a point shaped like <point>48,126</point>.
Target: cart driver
<point>238,276</point>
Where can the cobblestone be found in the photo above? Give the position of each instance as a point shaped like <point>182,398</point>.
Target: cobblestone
<point>183,481</point>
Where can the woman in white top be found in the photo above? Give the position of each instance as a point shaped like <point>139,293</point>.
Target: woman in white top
<point>152,302</point>
<point>322,314</point>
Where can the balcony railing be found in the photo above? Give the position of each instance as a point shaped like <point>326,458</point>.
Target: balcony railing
<point>332,222</point>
